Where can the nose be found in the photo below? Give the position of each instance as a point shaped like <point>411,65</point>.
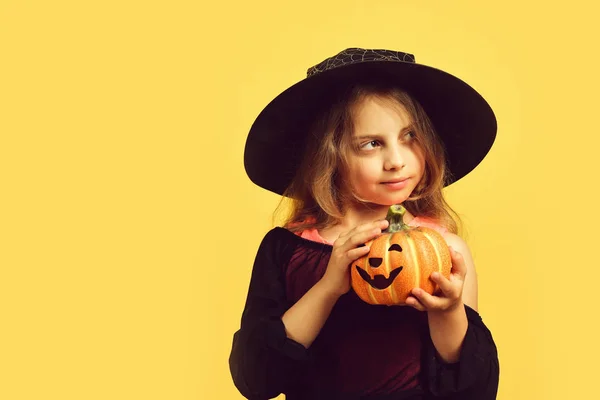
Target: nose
<point>394,159</point>
<point>375,262</point>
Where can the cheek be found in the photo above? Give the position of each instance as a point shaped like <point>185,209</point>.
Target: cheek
<point>420,160</point>
<point>362,174</point>
<point>368,172</point>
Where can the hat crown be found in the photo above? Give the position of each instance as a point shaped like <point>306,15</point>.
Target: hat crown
<point>355,55</point>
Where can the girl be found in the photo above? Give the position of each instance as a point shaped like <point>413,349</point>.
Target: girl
<point>365,130</point>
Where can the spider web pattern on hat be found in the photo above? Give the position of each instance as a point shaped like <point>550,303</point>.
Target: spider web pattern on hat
<point>350,56</point>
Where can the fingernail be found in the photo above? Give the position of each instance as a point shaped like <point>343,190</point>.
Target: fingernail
<point>435,275</point>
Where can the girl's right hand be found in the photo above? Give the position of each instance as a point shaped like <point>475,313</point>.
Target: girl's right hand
<point>346,251</point>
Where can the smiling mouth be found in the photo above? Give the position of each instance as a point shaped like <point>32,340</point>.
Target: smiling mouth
<point>396,181</point>
<point>378,281</point>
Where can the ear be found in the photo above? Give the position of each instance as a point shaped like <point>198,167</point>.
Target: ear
<point>470,288</point>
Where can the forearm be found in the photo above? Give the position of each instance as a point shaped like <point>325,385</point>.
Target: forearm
<point>447,330</point>
<point>304,320</point>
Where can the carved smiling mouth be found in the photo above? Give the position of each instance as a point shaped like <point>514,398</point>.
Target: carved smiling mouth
<point>378,281</point>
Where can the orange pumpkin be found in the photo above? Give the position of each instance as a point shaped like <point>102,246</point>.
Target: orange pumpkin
<point>399,260</point>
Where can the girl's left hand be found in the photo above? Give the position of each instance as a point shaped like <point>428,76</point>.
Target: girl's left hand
<point>449,293</point>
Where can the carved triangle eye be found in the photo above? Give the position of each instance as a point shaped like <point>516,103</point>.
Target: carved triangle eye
<point>395,247</point>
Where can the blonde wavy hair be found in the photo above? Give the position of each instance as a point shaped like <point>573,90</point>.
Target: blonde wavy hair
<point>315,198</point>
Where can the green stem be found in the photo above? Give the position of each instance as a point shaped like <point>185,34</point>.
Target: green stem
<point>395,217</point>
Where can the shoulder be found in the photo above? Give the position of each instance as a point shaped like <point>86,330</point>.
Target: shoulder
<point>273,241</point>
<point>273,250</point>
<point>282,238</point>
<point>452,239</point>
<point>470,289</point>
<point>276,233</point>
<point>276,236</point>
<point>460,246</point>
<point>455,241</point>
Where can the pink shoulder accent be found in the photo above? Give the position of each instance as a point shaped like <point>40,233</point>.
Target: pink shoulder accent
<point>428,223</point>
<point>313,234</point>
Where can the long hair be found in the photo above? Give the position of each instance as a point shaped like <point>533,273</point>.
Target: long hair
<point>315,198</point>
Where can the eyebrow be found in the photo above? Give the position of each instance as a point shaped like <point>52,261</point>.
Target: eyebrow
<point>407,128</point>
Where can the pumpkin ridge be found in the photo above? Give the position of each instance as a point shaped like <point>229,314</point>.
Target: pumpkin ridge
<point>375,295</point>
<point>370,290</point>
<point>415,259</point>
<point>389,267</point>
<point>436,251</point>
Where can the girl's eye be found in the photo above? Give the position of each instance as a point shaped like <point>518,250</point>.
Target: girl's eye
<point>372,142</point>
<point>411,134</point>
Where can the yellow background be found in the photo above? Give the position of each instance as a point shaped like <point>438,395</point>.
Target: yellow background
<point>129,226</point>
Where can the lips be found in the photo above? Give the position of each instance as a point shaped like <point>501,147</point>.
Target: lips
<point>396,180</point>
<point>396,184</point>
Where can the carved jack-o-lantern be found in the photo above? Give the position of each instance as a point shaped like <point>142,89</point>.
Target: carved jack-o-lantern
<point>399,260</point>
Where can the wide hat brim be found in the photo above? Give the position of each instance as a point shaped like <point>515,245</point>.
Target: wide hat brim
<point>462,118</point>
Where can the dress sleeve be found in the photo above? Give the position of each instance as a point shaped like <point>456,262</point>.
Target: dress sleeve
<point>476,374</point>
<point>263,360</point>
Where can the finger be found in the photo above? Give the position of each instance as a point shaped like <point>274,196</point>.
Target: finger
<point>357,253</point>
<point>362,237</point>
<point>428,301</point>
<point>414,303</point>
<point>443,283</point>
<point>383,224</point>
<point>458,263</point>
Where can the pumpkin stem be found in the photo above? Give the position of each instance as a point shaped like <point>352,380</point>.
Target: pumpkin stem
<point>395,216</point>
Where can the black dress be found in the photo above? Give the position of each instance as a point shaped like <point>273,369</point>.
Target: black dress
<point>362,352</point>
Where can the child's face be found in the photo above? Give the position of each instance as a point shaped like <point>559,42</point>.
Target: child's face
<point>387,151</point>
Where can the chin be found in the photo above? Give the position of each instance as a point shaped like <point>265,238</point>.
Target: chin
<point>398,201</point>
<point>385,199</point>
<point>398,198</point>
<point>390,201</point>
